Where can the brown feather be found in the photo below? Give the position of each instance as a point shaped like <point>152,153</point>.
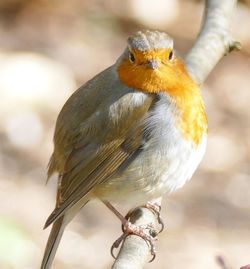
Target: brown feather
<point>91,165</point>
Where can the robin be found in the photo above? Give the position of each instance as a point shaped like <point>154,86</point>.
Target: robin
<point>129,135</point>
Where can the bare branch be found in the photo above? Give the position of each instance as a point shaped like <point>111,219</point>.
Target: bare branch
<point>245,267</point>
<point>213,42</point>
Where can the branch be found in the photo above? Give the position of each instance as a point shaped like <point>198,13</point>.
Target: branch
<point>213,42</point>
<point>134,252</point>
<point>245,267</point>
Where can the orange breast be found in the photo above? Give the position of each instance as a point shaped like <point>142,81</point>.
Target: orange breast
<point>172,79</point>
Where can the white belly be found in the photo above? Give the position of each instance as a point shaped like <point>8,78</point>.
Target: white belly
<point>166,162</point>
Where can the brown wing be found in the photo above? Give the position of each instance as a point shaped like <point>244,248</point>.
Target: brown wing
<point>94,162</point>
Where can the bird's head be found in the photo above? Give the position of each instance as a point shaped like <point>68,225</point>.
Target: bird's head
<point>149,64</point>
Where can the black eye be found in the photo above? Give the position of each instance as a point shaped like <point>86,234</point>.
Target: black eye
<point>171,55</point>
<point>131,57</point>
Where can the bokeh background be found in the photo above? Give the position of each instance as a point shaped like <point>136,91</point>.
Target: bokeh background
<point>48,48</point>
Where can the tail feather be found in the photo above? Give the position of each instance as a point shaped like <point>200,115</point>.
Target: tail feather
<point>53,242</point>
<point>56,232</point>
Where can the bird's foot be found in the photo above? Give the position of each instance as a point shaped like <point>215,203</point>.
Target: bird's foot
<point>156,209</point>
<point>143,231</point>
<point>146,232</point>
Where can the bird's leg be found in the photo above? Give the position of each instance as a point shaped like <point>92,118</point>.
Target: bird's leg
<point>117,213</point>
<point>131,229</point>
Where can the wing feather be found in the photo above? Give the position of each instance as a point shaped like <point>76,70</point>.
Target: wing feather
<point>85,160</point>
<point>84,184</point>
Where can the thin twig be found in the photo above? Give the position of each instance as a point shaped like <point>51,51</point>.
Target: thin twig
<point>213,42</point>
<point>221,262</point>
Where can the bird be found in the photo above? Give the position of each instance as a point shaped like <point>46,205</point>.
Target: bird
<point>131,134</point>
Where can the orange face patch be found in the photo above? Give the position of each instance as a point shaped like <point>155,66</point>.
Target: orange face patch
<point>170,77</point>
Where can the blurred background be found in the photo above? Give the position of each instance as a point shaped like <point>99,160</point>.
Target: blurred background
<point>48,48</point>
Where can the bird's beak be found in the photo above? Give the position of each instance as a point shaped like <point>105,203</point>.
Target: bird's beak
<point>153,64</point>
